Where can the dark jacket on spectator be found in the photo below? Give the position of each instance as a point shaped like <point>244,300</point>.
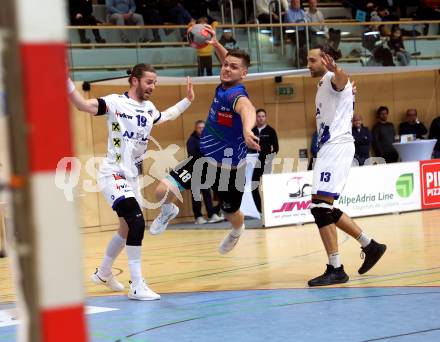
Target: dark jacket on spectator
<point>268,141</point>
<point>362,142</point>
<point>396,44</point>
<point>418,129</point>
<point>83,7</point>
<point>383,138</point>
<point>434,132</point>
<point>193,146</point>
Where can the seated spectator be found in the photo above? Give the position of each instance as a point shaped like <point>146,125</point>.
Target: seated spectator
<point>434,133</point>
<point>174,12</point>
<point>227,40</point>
<point>398,48</point>
<point>314,15</point>
<point>121,12</point>
<point>426,11</point>
<point>149,9</point>
<point>383,137</point>
<point>81,14</point>
<point>412,125</point>
<point>362,140</point>
<point>297,15</point>
<point>264,15</point>
<point>376,44</point>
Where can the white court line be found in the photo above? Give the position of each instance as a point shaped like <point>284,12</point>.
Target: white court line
<point>9,317</point>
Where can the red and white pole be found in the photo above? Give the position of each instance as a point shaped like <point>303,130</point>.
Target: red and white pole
<point>42,36</point>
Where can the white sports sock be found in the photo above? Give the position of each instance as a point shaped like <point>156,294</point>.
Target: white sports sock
<point>166,208</point>
<point>333,260</point>
<point>114,247</point>
<point>237,232</point>
<point>363,239</point>
<point>134,263</point>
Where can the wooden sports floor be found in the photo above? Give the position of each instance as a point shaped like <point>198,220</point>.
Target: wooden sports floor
<point>209,297</point>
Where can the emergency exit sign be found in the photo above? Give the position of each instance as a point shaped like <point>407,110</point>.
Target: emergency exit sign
<point>285,90</point>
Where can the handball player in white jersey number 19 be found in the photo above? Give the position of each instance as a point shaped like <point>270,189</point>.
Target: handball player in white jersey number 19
<point>130,118</point>
<point>334,113</point>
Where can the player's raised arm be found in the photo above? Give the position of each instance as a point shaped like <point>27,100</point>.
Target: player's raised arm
<point>90,106</point>
<point>246,110</point>
<point>340,79</point>
<point>174,112</point>
<point>219,48</point>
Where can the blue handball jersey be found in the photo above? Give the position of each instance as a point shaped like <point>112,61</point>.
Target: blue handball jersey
<point>222,138</point>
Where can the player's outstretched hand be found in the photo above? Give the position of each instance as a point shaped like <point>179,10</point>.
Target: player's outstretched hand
<point>189,89</point>
<point>329,62</point>
<point>251,140</point>
<point>213,39</point>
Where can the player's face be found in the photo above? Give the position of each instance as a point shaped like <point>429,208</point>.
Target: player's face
<point>233,71</point>
<point>411,116</point>
<point>261,119</point>
<point>145,85</point>
<point>314,63</point>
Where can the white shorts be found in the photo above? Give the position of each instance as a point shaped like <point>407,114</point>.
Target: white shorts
<point>115,187</point>
<point>331,169</point>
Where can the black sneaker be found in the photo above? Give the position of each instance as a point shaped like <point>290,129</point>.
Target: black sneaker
<point>373,252</point>
<point>331,276</point>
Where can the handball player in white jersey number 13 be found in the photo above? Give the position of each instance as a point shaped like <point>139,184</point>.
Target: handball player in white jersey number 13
<point>130,118</point>
<point>334,113</point>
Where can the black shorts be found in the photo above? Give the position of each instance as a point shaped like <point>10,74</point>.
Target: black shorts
<point>227,183</point>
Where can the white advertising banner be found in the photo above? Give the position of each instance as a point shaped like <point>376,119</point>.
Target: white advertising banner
<point>370,190</point>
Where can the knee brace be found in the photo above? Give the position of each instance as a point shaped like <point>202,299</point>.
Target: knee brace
<point>336,213</point>
<point>129,209</point>
<point>322,213</point>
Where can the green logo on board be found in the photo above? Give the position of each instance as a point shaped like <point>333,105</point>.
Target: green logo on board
<point>405,185</point>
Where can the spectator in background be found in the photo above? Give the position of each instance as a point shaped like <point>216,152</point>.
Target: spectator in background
<point>121,12</point>
<point>398,48</point>
<point>174,12</point>
<point>204,55</point>
<point>314,15</point>
<point>193,148</point>
<point>227,40</point>
<point>81,14</point>
<point>362,140</point>
<point>269,148</point>
<point>149,9</point>
<point>264,15</point>
<point>427,11</point>
<point>313,150</point>
<point>295,14</point>
<point>412,125</point>
<point>383,137</point>
<point>434,133</point>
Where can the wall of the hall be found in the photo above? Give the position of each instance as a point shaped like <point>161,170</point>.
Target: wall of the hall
<point>293,118</point>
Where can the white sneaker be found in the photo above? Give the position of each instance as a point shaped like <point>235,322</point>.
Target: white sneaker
<point>109,281</point>
<point>229,242</point>
<point>160,223</point>
<point>200,220</point>
<point>215,218</point>
<point>142,292</point>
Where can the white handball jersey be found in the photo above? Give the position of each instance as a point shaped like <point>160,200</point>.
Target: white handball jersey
<point>129,127</point>
<point>334,112</point>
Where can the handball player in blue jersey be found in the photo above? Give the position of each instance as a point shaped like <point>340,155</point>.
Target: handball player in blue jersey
<point>223,144</point>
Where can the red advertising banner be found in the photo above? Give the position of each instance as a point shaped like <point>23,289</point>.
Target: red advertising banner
<point>430,183</point>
